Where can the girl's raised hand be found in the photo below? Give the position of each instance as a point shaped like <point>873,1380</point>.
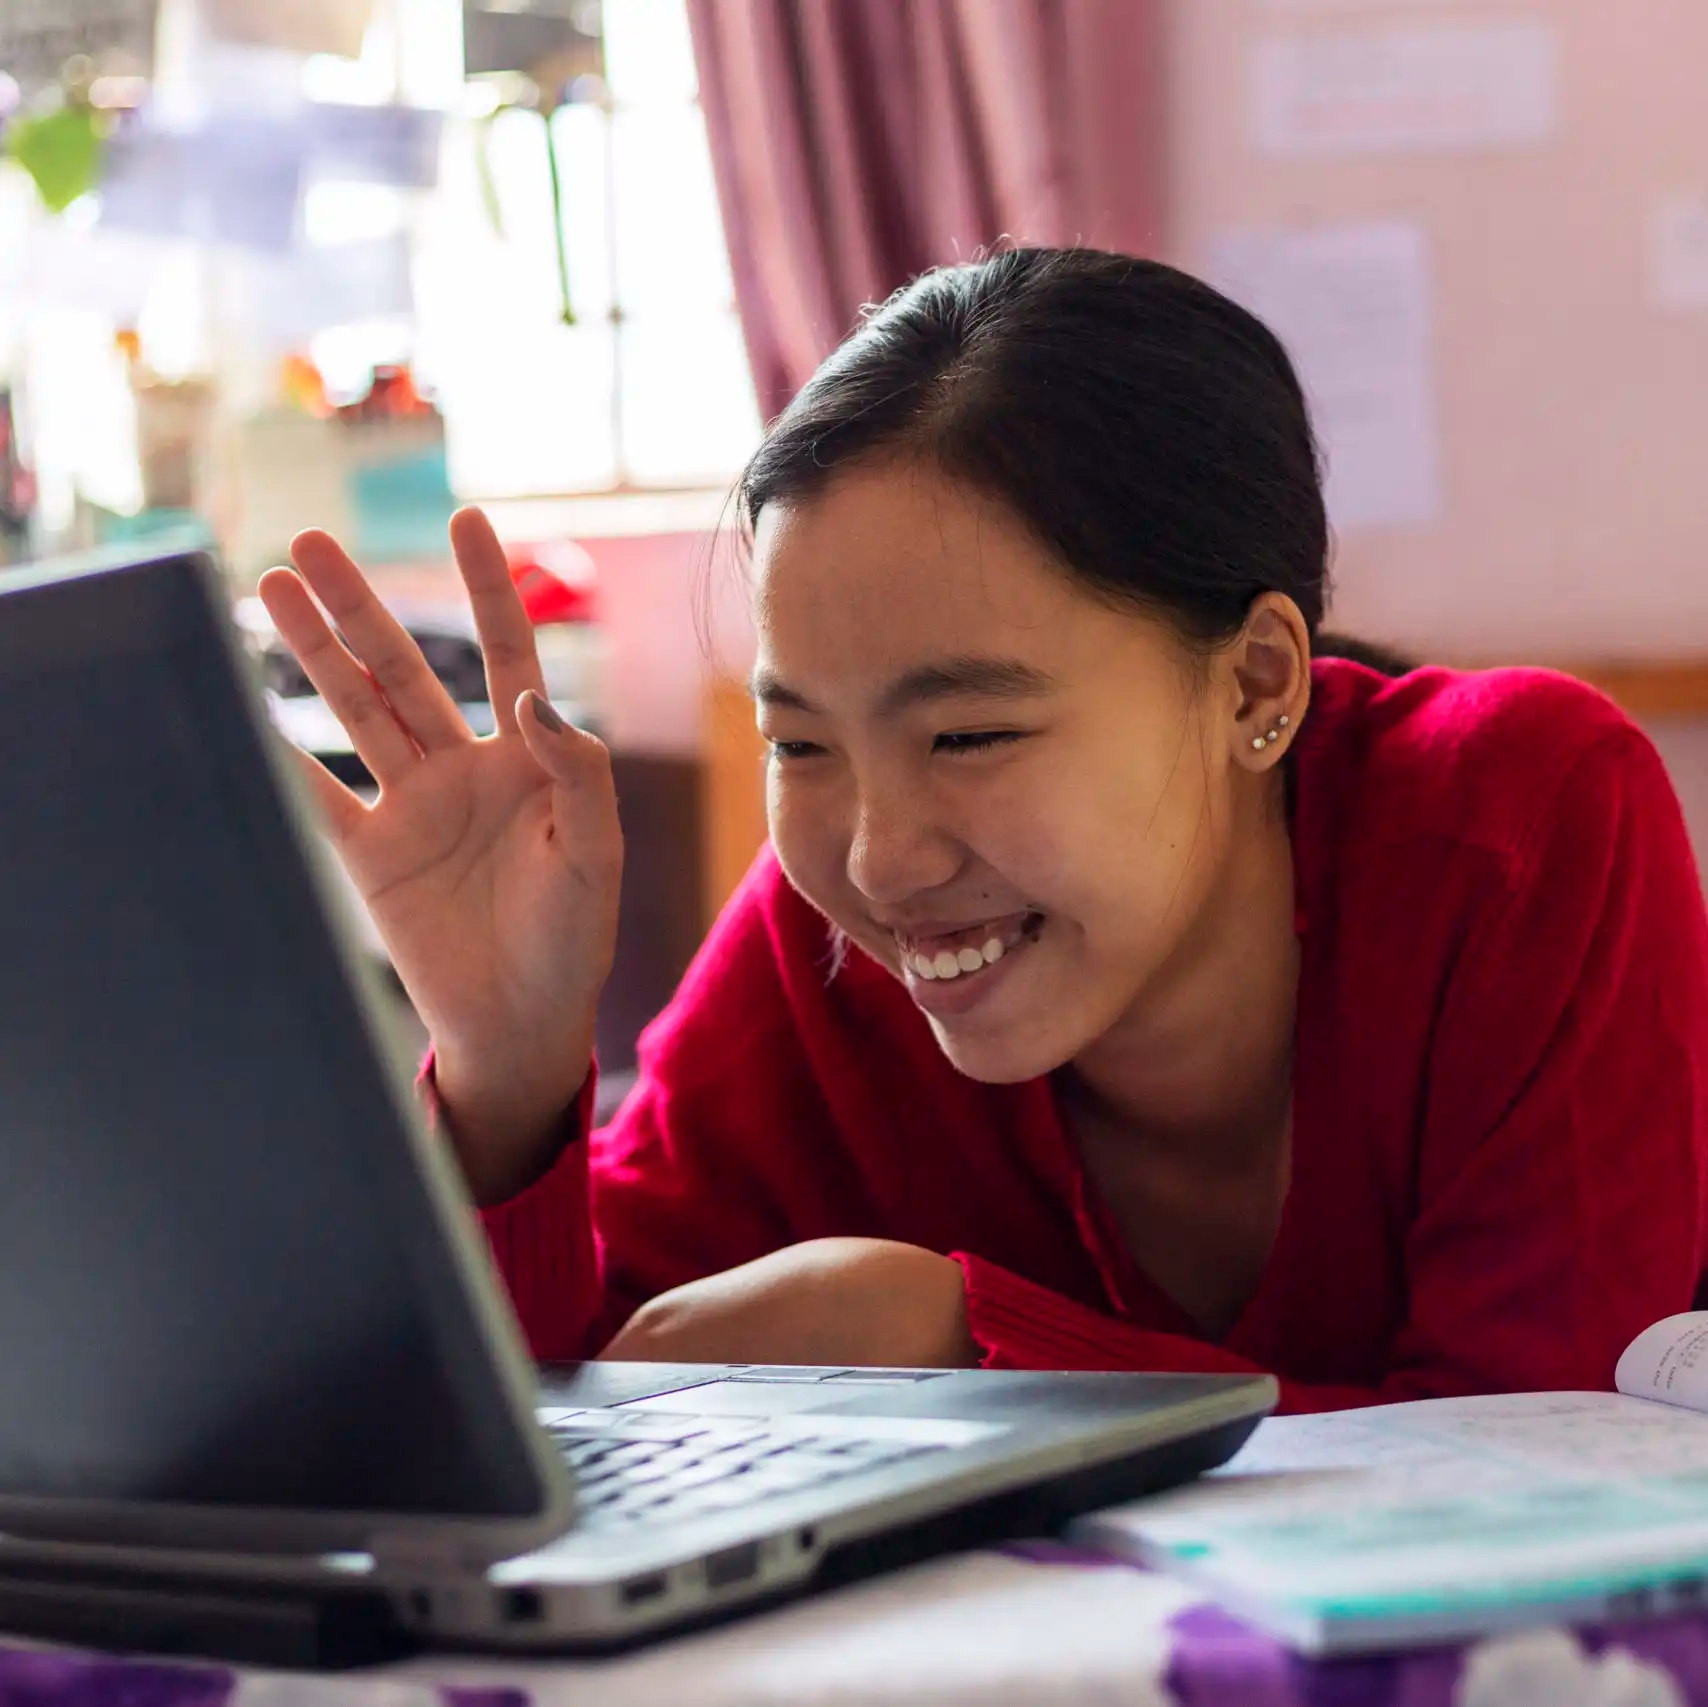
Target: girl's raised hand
<point>491,866</point>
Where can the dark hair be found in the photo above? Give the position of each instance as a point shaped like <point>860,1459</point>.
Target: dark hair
<point>1146,428</point>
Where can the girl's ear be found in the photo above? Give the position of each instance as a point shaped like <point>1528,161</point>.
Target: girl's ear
<point>1268,676</point>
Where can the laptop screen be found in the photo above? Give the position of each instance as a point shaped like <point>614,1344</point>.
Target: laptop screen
<point>222,1279</point>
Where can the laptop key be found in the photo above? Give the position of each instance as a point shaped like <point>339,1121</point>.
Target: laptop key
<point>660,1425</point>
<point>660,1469</point>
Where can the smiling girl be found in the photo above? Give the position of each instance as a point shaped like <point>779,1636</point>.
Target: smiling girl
<point>1126,985</point>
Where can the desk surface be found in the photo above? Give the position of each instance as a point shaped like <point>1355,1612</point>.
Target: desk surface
<point>1027,1627</point>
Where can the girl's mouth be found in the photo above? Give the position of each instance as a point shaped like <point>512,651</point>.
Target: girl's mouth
<point>967,955</point>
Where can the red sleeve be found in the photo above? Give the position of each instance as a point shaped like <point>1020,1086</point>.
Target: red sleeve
<point>686,1180</point>
<point>1564,1149</point>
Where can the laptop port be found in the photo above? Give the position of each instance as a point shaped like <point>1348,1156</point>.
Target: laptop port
<point>523,1606</point>
<point>637,1591</point>
<point>733,1565</point>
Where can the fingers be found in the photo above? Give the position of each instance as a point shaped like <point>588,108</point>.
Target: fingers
<point>564,752</point>
<point>388,653</point>
<point>506,635</point>
<point>584,799</point>
<point>340,808</point>
<point>338,678</point>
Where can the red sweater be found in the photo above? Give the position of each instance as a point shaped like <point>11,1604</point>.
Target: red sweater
<point>1500,1131</point>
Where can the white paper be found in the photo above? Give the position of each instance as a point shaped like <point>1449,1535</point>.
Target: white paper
<point>1439,1497</point>
<point>1353,305</point>
<point>1421,87</point>
<point>236,179</point>
<point>1678,251</point>
<point>397,146</point>
<point>1668,1361</point>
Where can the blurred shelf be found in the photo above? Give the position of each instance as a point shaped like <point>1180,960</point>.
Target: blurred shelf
<point>1665,688</point>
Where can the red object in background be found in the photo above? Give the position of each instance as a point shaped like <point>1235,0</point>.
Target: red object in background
<point>555,580</point>
<point>392,396</point>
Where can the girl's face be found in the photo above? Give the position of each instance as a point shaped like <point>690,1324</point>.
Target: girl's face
<point>1017,798</point>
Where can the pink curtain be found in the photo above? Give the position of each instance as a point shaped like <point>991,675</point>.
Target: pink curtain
<point>858,142</point>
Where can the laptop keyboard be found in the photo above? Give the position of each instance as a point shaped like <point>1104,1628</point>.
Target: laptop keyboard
<point>631,1468</point>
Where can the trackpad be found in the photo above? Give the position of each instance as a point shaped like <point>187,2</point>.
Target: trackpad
<point>745,1398</point>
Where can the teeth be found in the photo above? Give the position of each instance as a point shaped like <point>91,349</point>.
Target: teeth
<point>952,964</point>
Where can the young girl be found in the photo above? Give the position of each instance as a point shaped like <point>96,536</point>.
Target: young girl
<point>1124,987</point>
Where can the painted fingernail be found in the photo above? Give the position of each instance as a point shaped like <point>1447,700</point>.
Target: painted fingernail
<point>544,714</point>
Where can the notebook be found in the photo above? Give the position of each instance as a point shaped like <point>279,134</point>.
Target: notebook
<point>1405,1524</point>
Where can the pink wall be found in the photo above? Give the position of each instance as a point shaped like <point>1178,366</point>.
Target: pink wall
<point>1574,412</point>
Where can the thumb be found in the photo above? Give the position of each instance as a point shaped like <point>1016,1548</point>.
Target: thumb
<point>560,749</point>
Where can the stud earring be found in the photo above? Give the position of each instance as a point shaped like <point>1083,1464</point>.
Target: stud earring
<point>1283,721</point>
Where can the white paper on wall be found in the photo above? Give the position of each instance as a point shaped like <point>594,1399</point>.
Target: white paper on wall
<point>1678,251</point>
<point>1354,306</point>
<point>1410,88</point>
<point>235,179</point>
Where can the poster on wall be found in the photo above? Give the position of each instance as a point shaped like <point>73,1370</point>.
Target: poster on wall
<point>37,37</point>
<point>1678,251</point>
<point>1401,89</point>
<point>235,179</point>
<point>1354,306</point>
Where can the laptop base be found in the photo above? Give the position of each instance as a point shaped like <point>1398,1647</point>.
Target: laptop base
<point>250,1625</point>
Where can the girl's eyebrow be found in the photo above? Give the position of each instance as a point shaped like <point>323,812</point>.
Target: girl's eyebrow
<point>991,678</point>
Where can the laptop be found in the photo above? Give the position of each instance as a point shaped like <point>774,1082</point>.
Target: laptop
<point>263,1395</point>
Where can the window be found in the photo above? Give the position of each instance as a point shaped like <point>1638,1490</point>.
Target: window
<point>649,386</point>
<point>647,389</point>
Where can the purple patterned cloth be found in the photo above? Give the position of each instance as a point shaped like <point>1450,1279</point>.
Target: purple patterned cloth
<point>29,1678</point>
<point>42,1678</point>
<point>1218,1661</point>
<point>1214,1660</point>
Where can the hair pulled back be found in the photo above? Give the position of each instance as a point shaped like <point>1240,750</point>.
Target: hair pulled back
<point>1147,429</point>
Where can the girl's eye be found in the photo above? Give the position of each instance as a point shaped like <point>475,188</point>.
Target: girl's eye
<point>978,741</point>
<point>794,749</point>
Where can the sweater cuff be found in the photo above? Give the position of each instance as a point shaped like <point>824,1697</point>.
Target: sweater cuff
<point>1018,1324</point>
<point>540,1238</point>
